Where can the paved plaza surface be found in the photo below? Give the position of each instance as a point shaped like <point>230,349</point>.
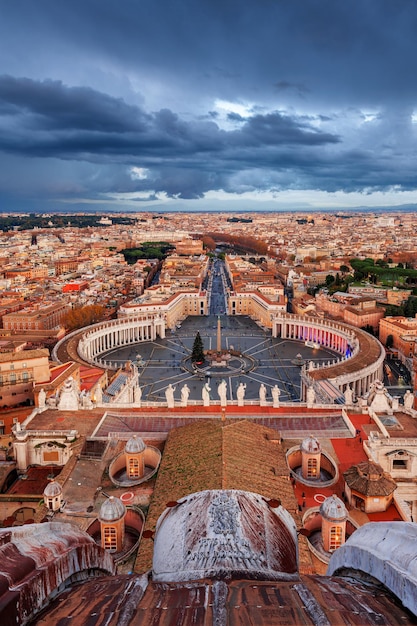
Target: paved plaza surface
<point>269,360</point>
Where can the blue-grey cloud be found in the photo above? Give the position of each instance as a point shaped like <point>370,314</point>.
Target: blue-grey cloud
<point>324,96</point>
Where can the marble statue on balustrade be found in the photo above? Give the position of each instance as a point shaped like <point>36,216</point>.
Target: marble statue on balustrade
<point>85,400</point>
<point>222,391</point>
<point>275,392</point>
<point>169,395</point>
<point>311,397</point>
<point>42,399</point>
<point>137,395</point>
<point>185,393</point>
<point>68,400</point>
<point>240,394</point>
<point>408,400</point>
<point>206,394</point>
<point>262,395</point>
<point>348,396</point>
<point>98,394</point>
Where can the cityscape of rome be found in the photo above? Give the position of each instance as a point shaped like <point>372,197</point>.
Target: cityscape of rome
<point>208,313</point>
<point>154,368</point>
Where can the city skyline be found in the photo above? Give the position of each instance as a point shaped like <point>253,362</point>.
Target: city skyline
<point>209,106</point>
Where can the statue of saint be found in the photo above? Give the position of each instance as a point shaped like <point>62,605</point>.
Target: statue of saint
<point>240,394</point>
<point>98,394</point>
<point>262,395</point>
<point>42,399</point>
<point>276,392</point>
<point>222,391</point>
<point>206,394</point>
<point>185,392</point>
<point>408,400</point>
<point>348,395</point>
<point>169,395</point>
<point>137,395</point>
<point>311,397</point>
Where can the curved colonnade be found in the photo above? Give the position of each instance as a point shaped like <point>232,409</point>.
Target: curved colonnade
<point>101,337</point>
<point>361,362</point>
<point>362,355</point>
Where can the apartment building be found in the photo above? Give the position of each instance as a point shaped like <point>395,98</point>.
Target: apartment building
<point>404,334</point>
<point>254,291</point>
<point>364,313</point>
<point>36,317</point>
<point>19,371</point>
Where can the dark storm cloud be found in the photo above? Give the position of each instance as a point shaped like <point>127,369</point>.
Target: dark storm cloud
<point>324,96</point>
<point>51,105</point>
<point>50,119</point>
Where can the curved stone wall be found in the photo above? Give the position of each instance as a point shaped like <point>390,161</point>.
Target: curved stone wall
<point>294,460</point>
<point>152,461</point>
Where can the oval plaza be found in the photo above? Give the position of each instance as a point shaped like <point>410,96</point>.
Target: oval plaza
<point>355,358</point>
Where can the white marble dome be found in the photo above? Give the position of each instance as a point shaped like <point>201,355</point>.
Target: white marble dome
<point>310,444</point>
<point>112,510</point>
<point>223,533</point>
<point>333,509</point>
<point>135,445</point>
<point>52,489</point>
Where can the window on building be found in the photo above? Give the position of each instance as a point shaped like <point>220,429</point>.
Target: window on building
<point>25,376</point>
<point>312,468</point>
<point>335,538</point>
<point>110,538</point>
<point>134,468</point>
<point>12,378</point>
<point>399,464</point>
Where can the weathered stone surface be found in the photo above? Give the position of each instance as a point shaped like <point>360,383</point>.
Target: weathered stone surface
<point>388,552</point>
<point>36,559</point>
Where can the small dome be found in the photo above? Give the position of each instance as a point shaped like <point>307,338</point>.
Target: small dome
<point>112,510</point>
<point>52,489</point>
<point>135,445</point>
<point>333,509</point>
<point>310,444</point>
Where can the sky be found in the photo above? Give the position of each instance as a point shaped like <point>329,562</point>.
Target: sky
<point>150,105</point>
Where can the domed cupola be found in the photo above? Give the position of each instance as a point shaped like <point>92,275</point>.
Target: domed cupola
<point>310,445</point>
<point>135,445</point>
<point>310,458</point>
<point>135,457</point>
<point>333,509</point>
<point>112,524</point>
<point>52,495</point>
<point>112,510</point>
<point>333,528</point>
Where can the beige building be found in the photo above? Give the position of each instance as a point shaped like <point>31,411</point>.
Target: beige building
<point>368,487</point>
<point>255,291</point>
<point>172,308</point>
<point>397,456</point>
<point>19,371</point>
<point>397,326</point>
